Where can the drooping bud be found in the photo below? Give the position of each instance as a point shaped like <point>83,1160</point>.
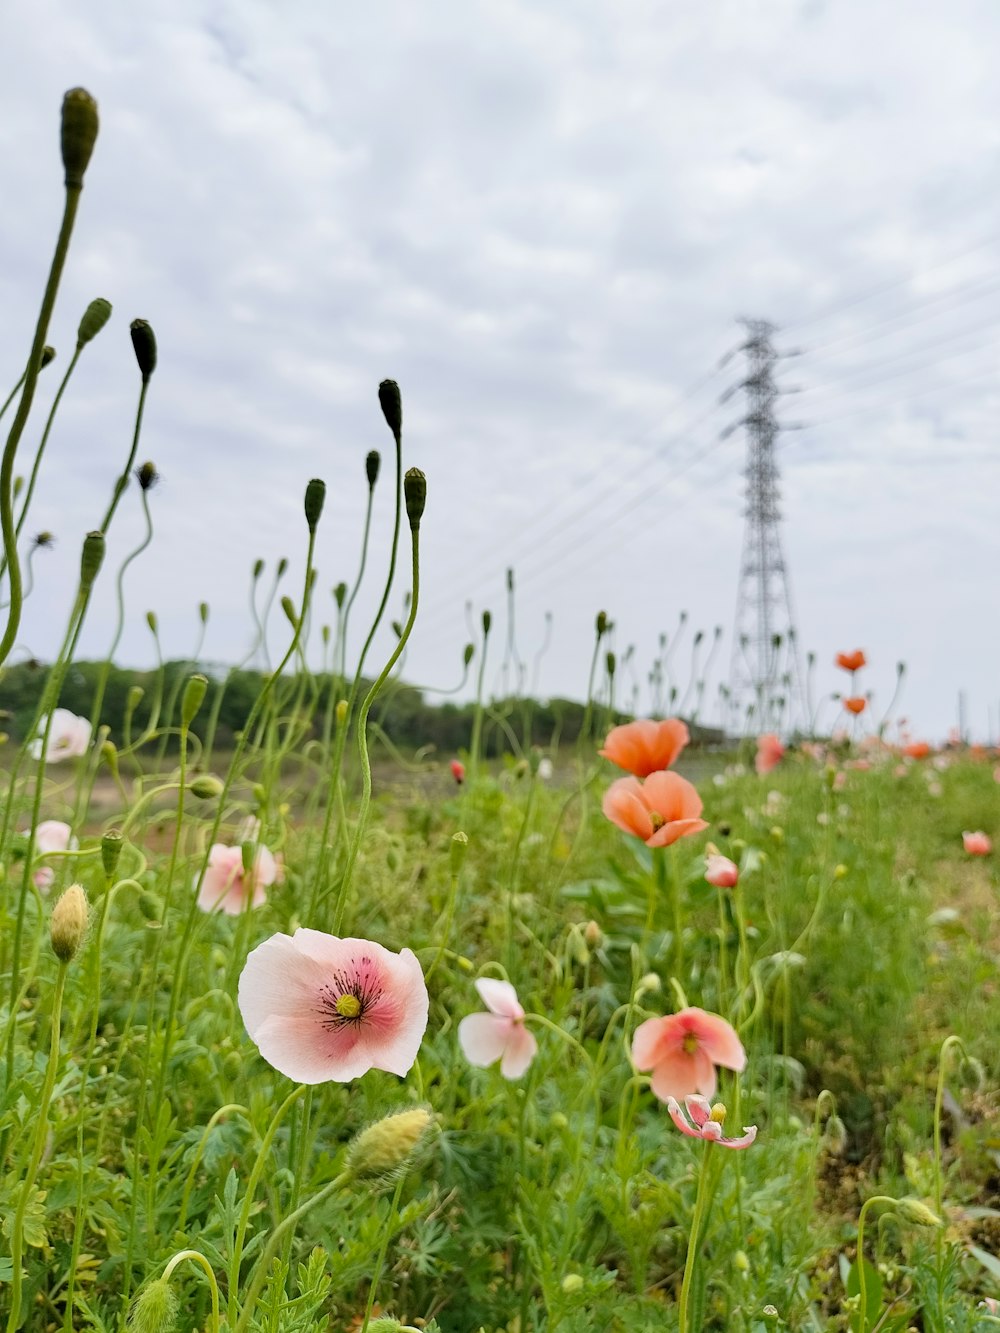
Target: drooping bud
<point>392,407</point>
<point>92,559</point>
<point>397,628</point>
<point>315,495</point>
<point>258,569</point>
<point>48,356</point>
<point>468,653</point>
<point>68,924</point>
<point>44,539</point>
<point>154,1309</point>
<point>207,787</point>
<point>94,319</point>
<point>415,494</point>
<point>917,1213</point>
<point>79,134</point>
<point>109,753</point>
<point>193,697</point>
<point>288,606</point>
<point>111,850</point>
<point>372,464</point>
<point>282,567</point>
<point>339,594</point>
<point>144,344</point>
<point>133,698</point>
<point>383,1149</point>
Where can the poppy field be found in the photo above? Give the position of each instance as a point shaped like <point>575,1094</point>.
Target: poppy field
<point>653,1028</point>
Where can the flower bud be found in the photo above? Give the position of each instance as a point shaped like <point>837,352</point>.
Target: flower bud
<point>392,407</point>
<point>340,594</point>
<point>207,787</point>
<point>154,1309</point>
<point>152,621</point>
<point>258,569</point>
<point>68,924</point>
<point>315,495</point>
<point>94,319</point>
<point>468,653</point>
<point>458,847</point>
<point>610,663</point>
<point>147,476</point>
<point>487,622</point>
<point>144,345</point>
<point>282,566</point>
<point>384,1148</point>
<point>572,1283</point>
<point>288,606</point>
<point>111,850</point>
<point>917,1213</point>
<point>92,559</point>
<point>48,356</point>
<point>203,612</point>
<point>79,134</point>
<point>372,463</point>
<point>193,697</point>
<point>415,493</point>
<point>593,934</point>
<point>109,753</point>
<point>133,699</point>
<point>740,1262</point>
<point>341,711</point>
<point>601,624</point>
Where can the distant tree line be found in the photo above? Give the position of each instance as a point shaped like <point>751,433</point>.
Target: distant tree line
<point>409,719</point>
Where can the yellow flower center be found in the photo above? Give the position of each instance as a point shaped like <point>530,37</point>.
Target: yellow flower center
<point>348,1006</point>
<point>718,1113</point>
<point>656,819</point>
<point>690,1043</point>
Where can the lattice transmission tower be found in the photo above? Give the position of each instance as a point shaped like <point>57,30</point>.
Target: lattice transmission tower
<point>765,674</point>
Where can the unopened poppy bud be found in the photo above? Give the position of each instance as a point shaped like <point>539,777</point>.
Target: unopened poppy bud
<point>341,711</point>
<point>48,356</point>
<point>144,345</point>
<point>133,698</point>
<point>69,923</point>
<point>397,628</point>
<point>415,493</point>
<point>147,476</point>
<point>740,1262</point>
<point>154,1309</point>
<point>193,697</point>
<point>207,787</point>
<point>611,663</point>
<point>315,495</point>
<point>92,558</point>
<point>468,653</point>
<point>487,622</point>
<point>79,134</point>
<point>392,407</point>
<point>385,1147</point>
<point>248,853</point>
<point>153,622</point>
<point>111,850</point>
<point>94,319</point>
<point>258,569</point>
<point>372,464</point>
<point>650,984</point>
<point>593,934</point>
<point>840,871</point>
<point>835,1135</point>
<point>339,594</point>
<point>572,1283</point>
<point>109,753</point>
<point>917,1213</point>
<point>458,847</point>
<point>510,579</point>
<point>602,624</point>
<point>282,566</point>
<point>288,606</point>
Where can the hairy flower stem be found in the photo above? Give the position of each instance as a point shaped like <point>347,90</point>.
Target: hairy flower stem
<point>197,1257</point>
<point>21,416</point>
<point>366,768</point>
<point>37,1148</point>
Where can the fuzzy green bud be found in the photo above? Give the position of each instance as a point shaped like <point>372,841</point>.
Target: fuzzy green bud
<point>288,606</point>
<point>94,319</point>
<point>194,696</point>
<point>741,1263</point>
<point>487,622</point>
<point>91,559</point>
<point>458,847</point>
<point>79,134</point>
<point>48,356</point>
<point>372,465</point>
<point>144,346</point>
<point>601,624</point>
<point>572,1283</point>
<point>340,594</point>
<point>383,1149</point>
<point>392,407</point>
<point>151,908</point>
<point>111,850</point>
<point>468,653</point>
<point>203,612</point>
<point>68,924</point>
<point>611,662</point>
<point>258,569</point>
<point>109,753</point>
<point>153,622</point>
<point>315,495</point>
<point>154,1309</point>
<point>282,566</point>
<point>207,787</point>
<point>147,476</point>
<point>133,699</point>
<point>415,494</point>
<point>917,1213</point>
<point>341,711</point>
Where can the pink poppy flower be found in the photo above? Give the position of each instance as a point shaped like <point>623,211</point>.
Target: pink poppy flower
<point>69,737</point>
<point>51,835</point>
<point>644,746</point>
<point>682,1051</point>
<point>699,1120</point>
<point>322,1009</point>
<point>500,1034</point>
<point>659,811</point>
<point>720,871</point>
<point>977,844</point>
<point>770,753</point>
<point>458,771</point>
<point>226,886</point>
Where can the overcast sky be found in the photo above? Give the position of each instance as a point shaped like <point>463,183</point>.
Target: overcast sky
<point>543,220</point>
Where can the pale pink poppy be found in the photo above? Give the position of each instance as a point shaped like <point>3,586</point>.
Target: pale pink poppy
<point>659,811</point>
<point>977,844</point>
<point>682,1051</point>
<point>770,753</point>
<point>645,746</point>
<point>226,886</point>
<point>69,737</point>
<point>51,835</point>
<point>323,1009</point>
<point>720,871</point>
<point>698,1121</point>
<point>500,1034</point>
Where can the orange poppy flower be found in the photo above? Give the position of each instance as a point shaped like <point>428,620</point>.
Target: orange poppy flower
<point>644,746</point>
<point>917,750</point>
<point>856,704</point>
<point>852,661</point>
<point>659,811</point>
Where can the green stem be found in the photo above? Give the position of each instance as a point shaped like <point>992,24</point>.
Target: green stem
<point>691,1261</point>
<point>196,1257</point>
<point>862,1283</point>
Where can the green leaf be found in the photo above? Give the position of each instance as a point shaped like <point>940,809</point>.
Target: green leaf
<point>873,1294</point>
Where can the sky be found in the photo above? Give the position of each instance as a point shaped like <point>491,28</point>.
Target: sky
<point>544,220</point>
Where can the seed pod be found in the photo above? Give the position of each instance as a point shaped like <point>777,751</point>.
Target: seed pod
<point>92,558</point>
<point>111,850</point>
<point>468,653</point>
<point>372,463</point>
<point>415,493</point>
<point>392,407</point>
<point>487,622</point>
<point>315,495</point>
<point>193,698</point>
<point>48,356</point>
<point>206,787</point>
<point>144,343</point>
<point>79,134</point>
<point>602,624</point>
<point>94,319</point>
